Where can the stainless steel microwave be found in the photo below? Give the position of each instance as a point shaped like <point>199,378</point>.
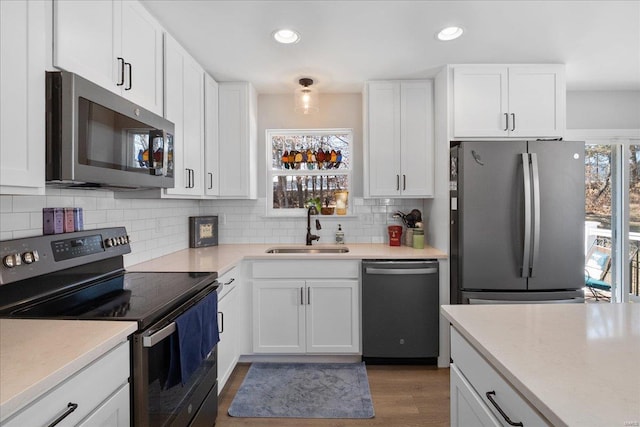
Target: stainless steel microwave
<point>98,139</point>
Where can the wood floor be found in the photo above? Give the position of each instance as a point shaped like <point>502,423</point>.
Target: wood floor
<point>403,396</point>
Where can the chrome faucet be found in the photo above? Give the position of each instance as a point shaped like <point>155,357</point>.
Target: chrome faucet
<point>311,237</point>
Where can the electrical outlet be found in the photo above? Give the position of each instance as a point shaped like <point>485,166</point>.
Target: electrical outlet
<point>222,219</point>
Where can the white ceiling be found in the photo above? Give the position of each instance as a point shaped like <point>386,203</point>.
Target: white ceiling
<point>345,43</point>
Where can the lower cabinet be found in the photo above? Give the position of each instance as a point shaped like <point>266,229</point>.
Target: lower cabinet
<point>481,396</point>
<point>228,327</point>
<point>96,395</point>
<point>296,310</point>
<point>306,316</point>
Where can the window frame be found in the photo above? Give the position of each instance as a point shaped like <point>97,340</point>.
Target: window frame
<point>271,173</point>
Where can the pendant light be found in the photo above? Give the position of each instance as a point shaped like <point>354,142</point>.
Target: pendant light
<point>306,98</point>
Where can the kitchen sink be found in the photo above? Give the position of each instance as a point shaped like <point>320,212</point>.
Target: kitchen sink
<point>306,250</point>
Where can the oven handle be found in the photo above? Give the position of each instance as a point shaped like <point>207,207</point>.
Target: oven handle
<point>165,331</point>
<point>155,338</point>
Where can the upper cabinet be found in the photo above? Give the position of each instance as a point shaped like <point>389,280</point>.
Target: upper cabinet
<point>211,146</point>
<point>399,139</point>
<point>184,106</point>
<point>116,44</point>
<point>508,101</point>
<point>22,104</point>
<point>237,109</point>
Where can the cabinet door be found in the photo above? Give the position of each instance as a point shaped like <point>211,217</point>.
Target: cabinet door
<point>22,104</point>
<point>227,327</point>
<point>184,106</point>
<point>332,316</point>
<point>114,412</point>
<point>417,139</point>
<point>86,40</point>
<point>467,409</point>
<point>211,146</point>
<point>536,101</point>
<point>278,316</point>
<point>193,84</point>
<point>480,101</point>
<point>383,117</point>
<point>237,140</point>
<point>142,48</point>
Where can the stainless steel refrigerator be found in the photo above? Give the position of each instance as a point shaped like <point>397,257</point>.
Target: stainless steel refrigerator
<point>517,221</point>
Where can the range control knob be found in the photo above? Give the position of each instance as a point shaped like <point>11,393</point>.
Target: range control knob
<point>12,260</point>
<point>108,242</point>
<point>29,257</point>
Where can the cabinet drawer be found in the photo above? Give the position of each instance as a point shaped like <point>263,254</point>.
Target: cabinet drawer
<point>88,389</point>
<point>306,269</point>
<point>485,379</point>
<point>227,282</point>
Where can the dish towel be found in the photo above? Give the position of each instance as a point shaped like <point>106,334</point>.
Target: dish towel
<point>196,335</point>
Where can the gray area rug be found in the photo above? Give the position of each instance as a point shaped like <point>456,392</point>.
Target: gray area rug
<point>304,390</point>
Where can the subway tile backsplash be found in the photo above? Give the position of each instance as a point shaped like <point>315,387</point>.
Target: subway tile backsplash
<point>159,227</point>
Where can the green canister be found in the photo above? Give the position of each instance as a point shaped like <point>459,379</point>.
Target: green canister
<point>418,238</point>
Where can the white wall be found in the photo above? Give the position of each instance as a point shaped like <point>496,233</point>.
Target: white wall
<point>603,110</point>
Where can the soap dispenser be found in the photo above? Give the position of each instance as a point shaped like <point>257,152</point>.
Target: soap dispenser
<point>340,235</point>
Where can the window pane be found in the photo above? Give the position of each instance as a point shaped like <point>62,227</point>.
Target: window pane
<point>598,184</point>
<point>634,219</point>
<point>311,152</point>
<point>291,192</point>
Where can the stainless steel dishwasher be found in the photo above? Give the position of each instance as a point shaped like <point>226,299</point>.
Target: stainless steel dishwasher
<point>400,317</point>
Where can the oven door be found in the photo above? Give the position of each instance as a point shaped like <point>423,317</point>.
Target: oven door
<point>191,404</point>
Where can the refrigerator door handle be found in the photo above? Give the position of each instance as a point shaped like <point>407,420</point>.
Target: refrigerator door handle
<point>536,212</point>
<point>526,250</point>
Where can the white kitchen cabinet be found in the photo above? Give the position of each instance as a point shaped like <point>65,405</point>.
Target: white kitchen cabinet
<point>116,44</point>
<point>512,101</point>
<point>399,139</point>
<point>100,391</point>
<point>211,146</point>
<point>278,316</point>
<point>476,384</point>
<point>467,409</point>
<point>22,104</point>
<point>184,106</point>
<point>237,109</point>
<point>312,316</point>
<point>306,307</point>
<point>228,326</point>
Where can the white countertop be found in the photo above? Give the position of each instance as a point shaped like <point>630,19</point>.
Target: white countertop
<point>224,257</point>
<point>36,355</point>
<point>579,364</point>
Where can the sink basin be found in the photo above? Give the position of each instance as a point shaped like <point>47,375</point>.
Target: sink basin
<point>306,250</point>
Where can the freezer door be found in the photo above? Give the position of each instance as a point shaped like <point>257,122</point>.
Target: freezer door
<point>558,260</point>
<point>549,297</point>
<point>490,215</point>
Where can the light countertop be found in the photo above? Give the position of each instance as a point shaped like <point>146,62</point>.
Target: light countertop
<point>579,364</point>
<point>36,355</point>
<point>224,257</point>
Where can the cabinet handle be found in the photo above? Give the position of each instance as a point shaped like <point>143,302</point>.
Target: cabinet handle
<point>308,296</point>
<point>404,182</point>
<point>221,325</point>
<point>192,178</point>
<point>210,180</point>
<point>506,122</point>
<point>121,61</point>
<point>188,178</point>
<point>130,75</point>
<point>513,121</point>
<point>495,404</point>
<point>398,182</point>
<point>301,296</point>
<point>70,408</point>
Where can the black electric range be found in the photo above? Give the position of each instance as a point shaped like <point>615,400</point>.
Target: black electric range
<point>81,276</point>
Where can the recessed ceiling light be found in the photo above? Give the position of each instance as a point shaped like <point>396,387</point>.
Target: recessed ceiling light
<point>450,33</point>
<point>286,36</point>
